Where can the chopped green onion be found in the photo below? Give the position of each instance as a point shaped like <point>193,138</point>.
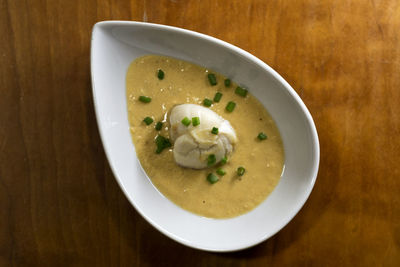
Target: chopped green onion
<point>231,106</point>
<point>220,172</point>
<point>227,82</point>
<point>214,130</point>
<point>224,160</point>
<point>240,171</point>
<point>212,178</point>
<point>207,102</point>
<point>144,99</point>
<point>186,121</point>
<point>160,74</point>
<point>212,79</point>
<point>159,126</point>
<point>162,143</point>
<point>241,91</point>
<point>211,160</point>
<point>148,120</point>
<point>217,97</point>
<point>262,136</point>
<point>195,121</point>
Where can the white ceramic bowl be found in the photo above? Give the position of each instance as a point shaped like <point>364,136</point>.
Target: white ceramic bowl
<point>114,45</point>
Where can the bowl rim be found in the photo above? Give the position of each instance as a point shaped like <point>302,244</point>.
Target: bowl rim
<point>313,131</point>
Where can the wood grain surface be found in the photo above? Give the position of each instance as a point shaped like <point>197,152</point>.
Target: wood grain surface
<point>59,202</point>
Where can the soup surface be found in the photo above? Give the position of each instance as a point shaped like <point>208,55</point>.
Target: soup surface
<point>185,82</point>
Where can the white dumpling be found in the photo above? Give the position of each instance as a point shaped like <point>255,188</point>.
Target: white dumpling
<point>193,144</point>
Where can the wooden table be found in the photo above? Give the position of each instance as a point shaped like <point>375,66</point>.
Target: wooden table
<point>59,202</point>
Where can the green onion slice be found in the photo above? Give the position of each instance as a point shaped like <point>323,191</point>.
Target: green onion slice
<point>144,99</point>
<point>220,172</point>
<point>207,102</point>
<point>214,130</point>
<point>262,136</point>
<point>224,160</point>
<point>212,178</point>
<point>148,120</point>
<point>162,143</point>
<point>159,126</point>
<point>241,91</point>
<point>160,74</point>
<point>241,171</point>
<point>195,121</point>
<point>186,121</point>
<point>211,159</point>
<point>230,106</point>
<point>212,79</point>
<point>227,82</point>
<point>217,97</point>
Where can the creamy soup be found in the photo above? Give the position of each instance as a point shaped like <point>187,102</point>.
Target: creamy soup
<point>184,82</point>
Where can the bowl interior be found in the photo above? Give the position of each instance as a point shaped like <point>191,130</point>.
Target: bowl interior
<point>114,46</point>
